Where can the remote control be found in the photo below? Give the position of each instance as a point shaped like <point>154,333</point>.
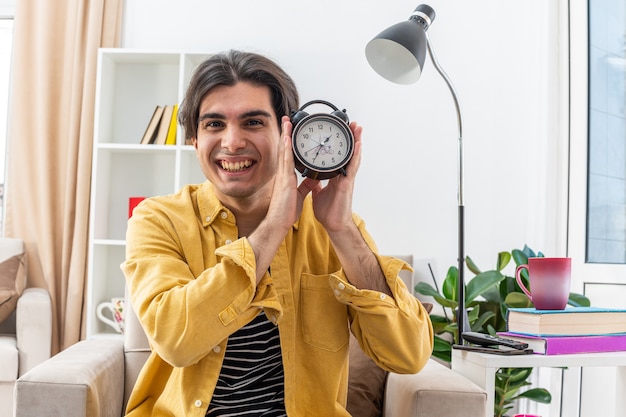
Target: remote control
<point>488,340</point>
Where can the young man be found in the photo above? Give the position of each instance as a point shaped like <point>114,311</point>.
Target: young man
<point>247,285</point>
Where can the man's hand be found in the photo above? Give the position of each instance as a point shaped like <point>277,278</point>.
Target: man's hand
<point>285,204</point>
<point>284,208</point>
<point>333,203</point>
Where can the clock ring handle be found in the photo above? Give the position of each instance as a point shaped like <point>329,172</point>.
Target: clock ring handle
<point>324,102</point>
<point>300,114</point>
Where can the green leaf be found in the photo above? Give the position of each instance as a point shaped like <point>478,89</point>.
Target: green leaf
<point>503,260</point>
<point>482,320</point>
<point>524,276</point>
<point>473,314</point>
<point>501,411</point>
<point>520,374</point>
<point>446,302</point>
<point>515,386</point>
<point>436,318</point>
<point>492,295</point>
<point>530,253</point>
<point>442,349</point>
<point>441,345</point>
<point>452,329</point>
<point>443,356</point>
<point>511,394</point>
<point>518,300</point>
<point>508,285</point>
<point>539,395</point>
<point>578,300</point>
<point>425,288</point>
<point>520,257</point>
<point>439,323</point>
<point>514,374</point>
<point>449,287</point>
<point>472,266</point>
<point>439,328</point>
<point>481,283</point>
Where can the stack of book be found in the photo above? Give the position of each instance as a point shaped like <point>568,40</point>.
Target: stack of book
<point>572,330</point>
<point>161,129</point>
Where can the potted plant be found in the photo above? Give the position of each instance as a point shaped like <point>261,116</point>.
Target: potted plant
<point>488,296</point>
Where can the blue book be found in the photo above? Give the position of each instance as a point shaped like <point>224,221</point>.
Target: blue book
<point>572,321</point>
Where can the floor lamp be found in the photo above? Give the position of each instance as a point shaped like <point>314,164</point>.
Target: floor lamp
<point>398,54</point>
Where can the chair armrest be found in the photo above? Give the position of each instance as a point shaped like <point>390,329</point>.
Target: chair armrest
<point>84,380</point>
<point>436,391</point>
<point>33,328</point>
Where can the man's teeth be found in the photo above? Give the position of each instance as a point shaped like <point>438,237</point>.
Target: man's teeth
<point>235,166</point>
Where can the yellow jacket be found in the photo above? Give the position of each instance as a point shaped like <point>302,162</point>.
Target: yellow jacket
<point>192,284</point>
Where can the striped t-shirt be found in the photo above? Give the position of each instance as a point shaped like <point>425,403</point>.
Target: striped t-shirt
<point>251,382</point>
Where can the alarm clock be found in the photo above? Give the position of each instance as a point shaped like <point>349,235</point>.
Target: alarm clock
<point>322,143</point>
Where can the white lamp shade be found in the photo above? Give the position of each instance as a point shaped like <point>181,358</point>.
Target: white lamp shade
<point>397,53</point>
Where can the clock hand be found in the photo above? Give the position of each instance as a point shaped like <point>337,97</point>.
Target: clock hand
<point>317,144</point>
<point>321,145</point>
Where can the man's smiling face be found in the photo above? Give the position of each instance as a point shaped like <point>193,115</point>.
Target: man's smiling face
<point>237,141</point>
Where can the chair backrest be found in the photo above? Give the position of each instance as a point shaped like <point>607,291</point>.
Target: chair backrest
<point>406,276</point>
<point>9,247</point>
<point>137,348</point>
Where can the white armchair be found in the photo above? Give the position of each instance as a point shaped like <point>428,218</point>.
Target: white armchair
<point>25,336</point>
<point>95,377</point>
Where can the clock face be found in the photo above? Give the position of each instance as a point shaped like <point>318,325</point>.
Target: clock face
<point>322,145</point>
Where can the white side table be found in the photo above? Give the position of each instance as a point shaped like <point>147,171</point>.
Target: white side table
<point>481,369</point>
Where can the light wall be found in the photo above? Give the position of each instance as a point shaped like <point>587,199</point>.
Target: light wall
<point>506,61</point>
<point>7,8</point>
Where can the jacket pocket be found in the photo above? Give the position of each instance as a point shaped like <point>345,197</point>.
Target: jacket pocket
<point>324,320</point>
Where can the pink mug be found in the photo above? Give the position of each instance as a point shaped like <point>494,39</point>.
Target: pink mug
<point>549,282</point>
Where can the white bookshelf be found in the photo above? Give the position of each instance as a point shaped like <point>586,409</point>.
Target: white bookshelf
<point>130,83</point>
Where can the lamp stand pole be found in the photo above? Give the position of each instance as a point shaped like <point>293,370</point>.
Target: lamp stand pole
<point>462,320</point>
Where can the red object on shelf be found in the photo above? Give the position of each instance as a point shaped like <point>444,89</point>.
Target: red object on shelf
<point>132,203</point>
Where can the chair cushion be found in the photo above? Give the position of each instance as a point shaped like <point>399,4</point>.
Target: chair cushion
<point>366,381</point>
<point>12,283</point>
<point>8,358</point>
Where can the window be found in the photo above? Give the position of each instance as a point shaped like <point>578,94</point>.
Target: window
<point>597,155</point>
<point>6,41</point>
<point>606,175</point>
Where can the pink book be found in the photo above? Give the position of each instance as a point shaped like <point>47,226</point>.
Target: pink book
<point>562,345</point>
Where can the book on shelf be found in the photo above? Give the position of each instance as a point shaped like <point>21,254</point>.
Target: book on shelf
<point>153,125</point>
<point>563,345</point>
<point>572,321</point>
<point>171,133</point>
<point>164,126</point>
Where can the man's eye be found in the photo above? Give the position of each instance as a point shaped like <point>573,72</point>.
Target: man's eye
<point>212,124</point>
<point>255,122</point>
